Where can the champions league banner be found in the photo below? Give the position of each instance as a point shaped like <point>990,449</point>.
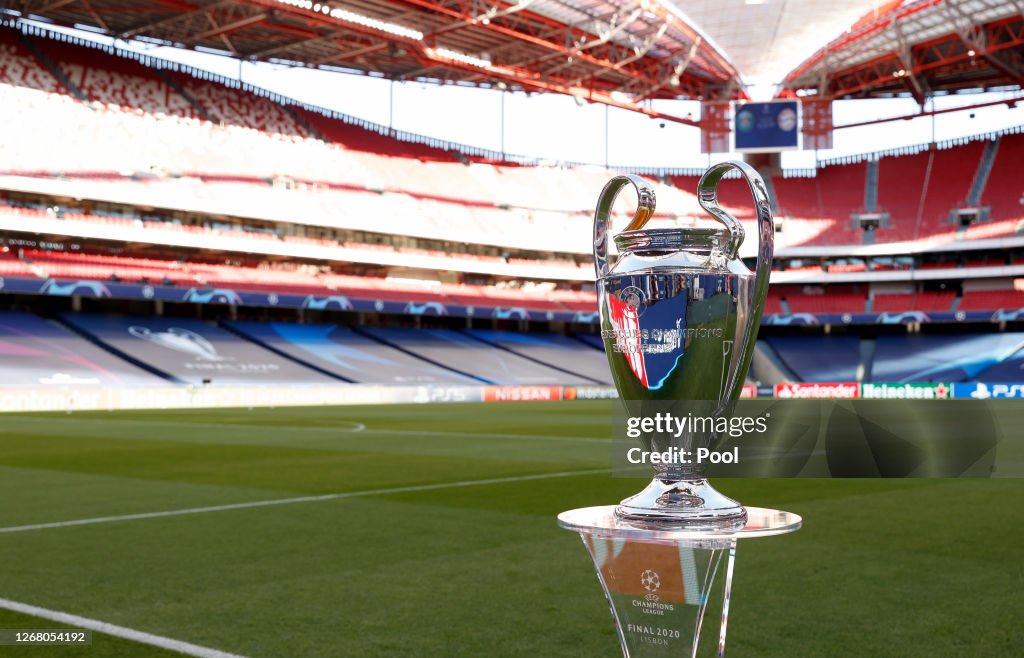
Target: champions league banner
<point>904,317</point>
<point>340,302</point>
<point>326,302</point>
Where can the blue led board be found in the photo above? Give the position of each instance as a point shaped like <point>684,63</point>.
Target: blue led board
<point>766,127</point>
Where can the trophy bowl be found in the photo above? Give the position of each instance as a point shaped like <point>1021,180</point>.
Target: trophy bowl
<point>679,319</point>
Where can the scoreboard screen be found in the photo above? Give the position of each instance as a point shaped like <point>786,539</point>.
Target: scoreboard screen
<point>767,127</point>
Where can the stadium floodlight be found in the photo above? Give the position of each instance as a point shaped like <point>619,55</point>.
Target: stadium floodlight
<point>390,28</point>
<point>456,56</point>
<point>357,19</point>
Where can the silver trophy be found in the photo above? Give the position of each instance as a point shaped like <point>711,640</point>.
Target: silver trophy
<point>679,319</point>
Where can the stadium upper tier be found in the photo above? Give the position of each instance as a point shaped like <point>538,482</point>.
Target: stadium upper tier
<point>307,280</point>
<point>236,239</point>
<point>97,126</point>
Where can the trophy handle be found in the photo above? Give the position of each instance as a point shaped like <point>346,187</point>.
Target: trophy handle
<point>603,215</point>
<point>707,195</point>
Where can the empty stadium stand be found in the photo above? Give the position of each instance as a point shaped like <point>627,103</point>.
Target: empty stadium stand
<point>189,351</point>
<point>950,174</point>
<point>41,353</point>
<point>773,305</point>
<point>19,67</point>
<point>86,350</point>
<point>1010,369</point>
<point>11,265</point>
<point>991,300</point>
<point>238,108</point>
<point>593,340</point>
<point>800,196</point>
<point>559,352</point>
<point>827,201</point>
<point>919,190</point>
<point>202,132</point>
<point>941,357</point>
<point>347,354</point>
<point>176,107</point>
<point>815,358</point>
<point>472,357</point>
<point>1004,190</point>
<point>363,139</point>
<point>117,81</point>
<point>308,280</point>
<point>218,235</point>
<point>901,189</point>
<point>317,280</point>
<point>923,301</point>
<point>64,265</point>
<point>823,300</point>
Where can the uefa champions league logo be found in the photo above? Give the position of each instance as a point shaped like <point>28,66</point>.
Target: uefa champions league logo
<point>181,340</point>
<point>650,580</point>
<point>634,299</point>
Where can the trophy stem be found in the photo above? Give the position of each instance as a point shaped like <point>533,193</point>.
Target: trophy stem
<point>726,595</point>
<point>684,503</point>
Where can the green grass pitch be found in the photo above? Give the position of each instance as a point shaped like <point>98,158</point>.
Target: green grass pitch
<point>881,568</point>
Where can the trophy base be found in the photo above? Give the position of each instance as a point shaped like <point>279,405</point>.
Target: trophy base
<point>682,504</point>
<point>667,587</point>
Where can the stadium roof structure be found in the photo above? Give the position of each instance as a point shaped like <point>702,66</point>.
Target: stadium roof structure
<point>920,47</point>
<point>617,52</point>
<point>765,39</point>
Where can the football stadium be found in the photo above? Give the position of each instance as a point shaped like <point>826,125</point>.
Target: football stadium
<point>284,376</point>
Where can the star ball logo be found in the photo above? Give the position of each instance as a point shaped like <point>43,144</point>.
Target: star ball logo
<point>651,603</point>
<point>634,298</point>
<point>650,580</point>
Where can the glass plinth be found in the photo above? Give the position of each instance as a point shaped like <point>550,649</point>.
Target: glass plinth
<point>659,582</point>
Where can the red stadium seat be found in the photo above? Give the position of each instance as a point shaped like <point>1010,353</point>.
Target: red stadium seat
<point>1004,191</point>
<point>20,67</point>
<point>116,81</point>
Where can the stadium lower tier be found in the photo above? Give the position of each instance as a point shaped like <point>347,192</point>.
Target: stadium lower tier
<point>901,358</point>
<point>83,350</point>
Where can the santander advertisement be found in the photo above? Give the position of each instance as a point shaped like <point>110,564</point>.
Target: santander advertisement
<point>818,390</point>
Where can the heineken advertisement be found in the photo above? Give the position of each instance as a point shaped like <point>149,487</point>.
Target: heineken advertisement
<point>906,391</point>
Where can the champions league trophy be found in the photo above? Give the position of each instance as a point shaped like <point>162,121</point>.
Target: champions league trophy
<point>679,319</point>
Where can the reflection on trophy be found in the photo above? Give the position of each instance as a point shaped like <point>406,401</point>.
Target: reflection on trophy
<point>679,318</point>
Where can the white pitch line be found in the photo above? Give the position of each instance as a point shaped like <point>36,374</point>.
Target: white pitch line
<point>362,428</point>
<point>514,437</point>
<point>98,626</point>
<point>299,499</point>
